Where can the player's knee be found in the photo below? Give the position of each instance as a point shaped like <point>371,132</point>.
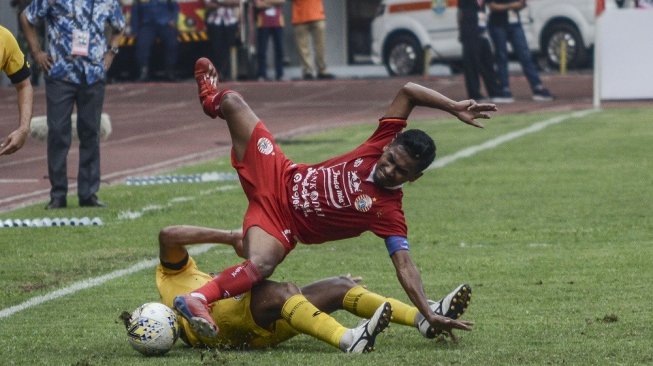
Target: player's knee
<point>266,269</point>
<point>343,283</point>
<point>232,102</point>
<point>287,289</point>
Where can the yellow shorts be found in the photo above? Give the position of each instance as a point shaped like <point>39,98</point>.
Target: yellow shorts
<point>232,315</point>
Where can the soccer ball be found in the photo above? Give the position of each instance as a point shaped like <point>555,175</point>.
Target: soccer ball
<point>153,329</point>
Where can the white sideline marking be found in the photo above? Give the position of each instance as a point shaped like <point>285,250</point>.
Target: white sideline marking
<point>92,282</point>
<point>490,144</point>
<point>133,215</point>
<point>12,181</point>
<point>464,153</point>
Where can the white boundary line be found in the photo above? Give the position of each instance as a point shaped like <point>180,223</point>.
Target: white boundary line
<point>491,144</point>
<point>92,282</point>
<point>444,161</point>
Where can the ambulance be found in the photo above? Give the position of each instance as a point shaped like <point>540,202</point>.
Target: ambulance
<point>408,34</point>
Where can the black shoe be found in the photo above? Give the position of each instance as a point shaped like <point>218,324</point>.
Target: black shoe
<point>92,201</point>
<point>308,77</point>
<point>326,76</point>
<point>56,203</point>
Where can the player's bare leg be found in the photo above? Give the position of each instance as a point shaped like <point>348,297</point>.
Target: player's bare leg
<point>262,259</point>
<point>264,250</point>
<point>226,104</point>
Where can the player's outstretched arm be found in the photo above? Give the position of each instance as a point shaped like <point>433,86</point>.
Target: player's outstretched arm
<point>173,239</point>
<point>413,95</point>
<point>411,281</point>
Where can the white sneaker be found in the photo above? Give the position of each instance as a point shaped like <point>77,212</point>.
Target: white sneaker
<point>452,306</point>
<point>502,100</point>
<point>365,334</point>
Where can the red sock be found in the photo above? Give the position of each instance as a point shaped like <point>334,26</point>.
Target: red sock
<point>218,99</point>
<point>231,282</point>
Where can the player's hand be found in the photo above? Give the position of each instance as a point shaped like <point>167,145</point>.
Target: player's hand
<point>14,142</point>
<point>468,111</point>
<point>447,325</point>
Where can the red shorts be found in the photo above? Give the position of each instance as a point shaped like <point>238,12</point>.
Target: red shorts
<point>262,174</point>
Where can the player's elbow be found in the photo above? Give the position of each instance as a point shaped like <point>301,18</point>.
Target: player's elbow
<point>168,234</point>
<point>409,88</point>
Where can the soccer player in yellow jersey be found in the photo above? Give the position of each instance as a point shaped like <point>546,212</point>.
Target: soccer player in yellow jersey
<point>13,63</point>
<point>272,312</point>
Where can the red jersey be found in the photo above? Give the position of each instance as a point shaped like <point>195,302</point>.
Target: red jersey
<point>337,199</point>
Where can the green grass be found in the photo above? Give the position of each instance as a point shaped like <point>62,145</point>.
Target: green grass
<point>552,230</point>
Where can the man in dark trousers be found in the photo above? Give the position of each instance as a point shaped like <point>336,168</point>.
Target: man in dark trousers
<point>75,64</point>
<point>152,19</point>
<point>505,26</point>
<point>478,59</point>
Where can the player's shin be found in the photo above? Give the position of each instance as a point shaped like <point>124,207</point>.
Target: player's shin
<point>308,319</point>
<point>231,282</point>
<point>364,303</point>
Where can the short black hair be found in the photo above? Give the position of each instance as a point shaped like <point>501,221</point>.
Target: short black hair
<point>418,145</point>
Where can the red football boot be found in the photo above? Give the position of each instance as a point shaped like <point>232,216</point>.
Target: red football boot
<point>196,311</point>
<point>206,77</point>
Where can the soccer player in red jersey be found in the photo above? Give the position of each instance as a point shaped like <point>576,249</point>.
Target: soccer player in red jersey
<point>339,198</point>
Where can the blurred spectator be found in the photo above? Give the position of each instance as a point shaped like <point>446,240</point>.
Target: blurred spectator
<point>309,24</point>
<point>222,22</point>
<point>151,19</point>
<point>645,4</point>
<point>77,58</point>
<point>14,64</point>
<point>269,23</point>
<point>477,51</point>
<point>20,5</point>
<point>505,26</point>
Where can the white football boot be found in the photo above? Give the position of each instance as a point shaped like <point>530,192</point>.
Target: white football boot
<point>364,335</point>
<point>452,306</point>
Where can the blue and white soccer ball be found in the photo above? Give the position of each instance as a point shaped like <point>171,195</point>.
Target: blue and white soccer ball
<point>153,329</point>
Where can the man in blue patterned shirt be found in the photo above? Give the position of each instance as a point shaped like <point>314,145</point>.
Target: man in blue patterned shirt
<point>76,60</point>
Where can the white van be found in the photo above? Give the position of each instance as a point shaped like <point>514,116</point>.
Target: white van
<point>404,30</point>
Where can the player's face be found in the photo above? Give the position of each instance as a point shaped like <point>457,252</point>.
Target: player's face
<point>395,167</point>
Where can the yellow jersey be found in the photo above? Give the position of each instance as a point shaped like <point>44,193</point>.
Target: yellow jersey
<point>12,59</point>
<point>237,328</point>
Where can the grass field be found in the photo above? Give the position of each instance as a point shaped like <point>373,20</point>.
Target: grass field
<point>553,230</point>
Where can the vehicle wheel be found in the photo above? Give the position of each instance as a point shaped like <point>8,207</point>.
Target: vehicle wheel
<point>404,56</point>
<point>552,39</point>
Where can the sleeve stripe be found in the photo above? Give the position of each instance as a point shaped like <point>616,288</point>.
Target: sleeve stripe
<point>21,74</point>
<point>392,119</point>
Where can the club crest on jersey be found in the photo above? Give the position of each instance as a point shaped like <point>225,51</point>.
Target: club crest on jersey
<point>264,146</point>
<point>363,203</point>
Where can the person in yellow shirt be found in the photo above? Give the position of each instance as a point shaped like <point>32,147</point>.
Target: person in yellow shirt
<point>309,25</point>
<point>13,63</point>
<point>273,312</point>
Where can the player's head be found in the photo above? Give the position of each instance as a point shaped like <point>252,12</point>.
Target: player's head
<point>405,159</point>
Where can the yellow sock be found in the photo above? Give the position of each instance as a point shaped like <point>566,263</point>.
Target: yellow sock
<point>362,302</point>
<point>308,319</point>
